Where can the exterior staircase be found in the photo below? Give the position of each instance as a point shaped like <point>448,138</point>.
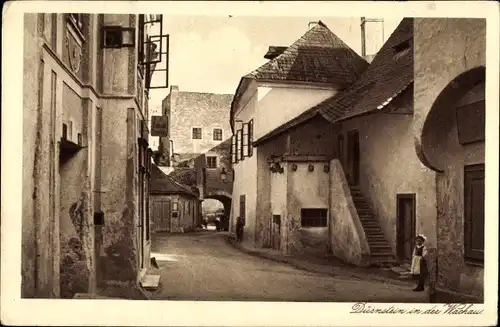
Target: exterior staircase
<point>380,250</point>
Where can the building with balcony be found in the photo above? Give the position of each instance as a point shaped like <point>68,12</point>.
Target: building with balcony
<point>86,160</point>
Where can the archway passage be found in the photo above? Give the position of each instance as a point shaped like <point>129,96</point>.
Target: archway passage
<point>455,120</point>
<point>225,199</point>
<point>453,145</point>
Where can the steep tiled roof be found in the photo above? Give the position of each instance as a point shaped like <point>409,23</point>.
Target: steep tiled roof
<point>389,74</point>
<point>163,184</point>
<point>319,56</point>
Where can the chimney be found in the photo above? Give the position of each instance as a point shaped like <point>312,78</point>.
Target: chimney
<point>174,88</point>
<point>372,37</point>
<point>312,24</point>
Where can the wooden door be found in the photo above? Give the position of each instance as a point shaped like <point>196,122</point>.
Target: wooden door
<point>276,232</point>
<point>161,216</point>
<point>352,168</point>
<point>405,226</point>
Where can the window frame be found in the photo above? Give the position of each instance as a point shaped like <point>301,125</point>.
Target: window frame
<point>193,133</point>
<point>319,218</point>
<point>207,161</point>
<point>214,134</point>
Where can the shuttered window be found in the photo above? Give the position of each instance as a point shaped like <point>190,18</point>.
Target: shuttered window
<point>238,145</point>
<point>233,149</point>
<point>250,138</point>
<point>474,213</point>
<point>244,141</point>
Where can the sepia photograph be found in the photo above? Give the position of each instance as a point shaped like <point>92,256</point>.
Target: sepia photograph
<point>255,159</point>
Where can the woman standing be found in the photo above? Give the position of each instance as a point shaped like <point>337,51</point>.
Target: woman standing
<point>419,264</point>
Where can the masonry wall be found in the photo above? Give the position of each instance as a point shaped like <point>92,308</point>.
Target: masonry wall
<point>192,109</point>
<point>390,166</point>
<point>465,41</point>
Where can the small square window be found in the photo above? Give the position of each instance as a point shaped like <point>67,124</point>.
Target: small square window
<point>217,134</point>
<point>211,162</point>
<point>196,133</point>
<point>313,217</point>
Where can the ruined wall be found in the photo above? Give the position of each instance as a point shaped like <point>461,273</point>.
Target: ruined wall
<point>347,237</point>
<point>465,41</point>
<point>390,166</point>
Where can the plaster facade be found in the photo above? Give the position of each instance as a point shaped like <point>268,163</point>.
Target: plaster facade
<point>389,166</point>
<point>441,81</point>
<point>82,109</point>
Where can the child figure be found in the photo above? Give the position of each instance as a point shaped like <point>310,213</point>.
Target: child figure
<point>418,263</point>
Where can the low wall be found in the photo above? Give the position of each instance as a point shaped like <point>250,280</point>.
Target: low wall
<point>347,237</point>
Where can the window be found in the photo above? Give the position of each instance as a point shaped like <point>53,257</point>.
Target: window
<point>211,162</point>
<point>313,217</point>
<point>250,138</point>
<point>76,20</point>
<point>238,145</point>
<point>217,134</point>
<point>244,140</point>
<point>118,36</point>
<point>474,213</point>
<point>233,149</point>
<point>196,133</point>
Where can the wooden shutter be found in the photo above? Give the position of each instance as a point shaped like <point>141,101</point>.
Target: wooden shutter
<point>241,144</point>
<point>474,212</point>
<point>233,149</point>
<point>244,141</point>
<point>238,145</point>
<point>250,138</point>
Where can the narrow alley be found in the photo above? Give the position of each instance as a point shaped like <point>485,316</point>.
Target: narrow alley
<point>203,266</point>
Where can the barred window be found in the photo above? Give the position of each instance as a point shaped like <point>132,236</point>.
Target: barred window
<point>76,20</point>
<point>313,217</point>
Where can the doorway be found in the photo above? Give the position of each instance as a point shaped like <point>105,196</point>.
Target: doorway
<point>276,232</point>
<point>161,216</point>
<point>353,157</point>
<point>405,226</point>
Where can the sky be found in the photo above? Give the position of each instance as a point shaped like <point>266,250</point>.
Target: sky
<point>211,53</point>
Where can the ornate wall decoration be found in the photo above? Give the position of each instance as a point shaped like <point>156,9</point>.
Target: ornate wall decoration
<point>74,52</point>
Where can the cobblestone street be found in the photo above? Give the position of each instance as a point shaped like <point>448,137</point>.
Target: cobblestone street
<point>203,266</point>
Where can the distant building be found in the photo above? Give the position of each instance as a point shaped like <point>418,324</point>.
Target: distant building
<point>86,157</point>
<point>174,207</point>
<point>197,122</point>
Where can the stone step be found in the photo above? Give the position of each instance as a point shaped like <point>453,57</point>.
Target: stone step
<point>377,254</point>
<point>378,244</point>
